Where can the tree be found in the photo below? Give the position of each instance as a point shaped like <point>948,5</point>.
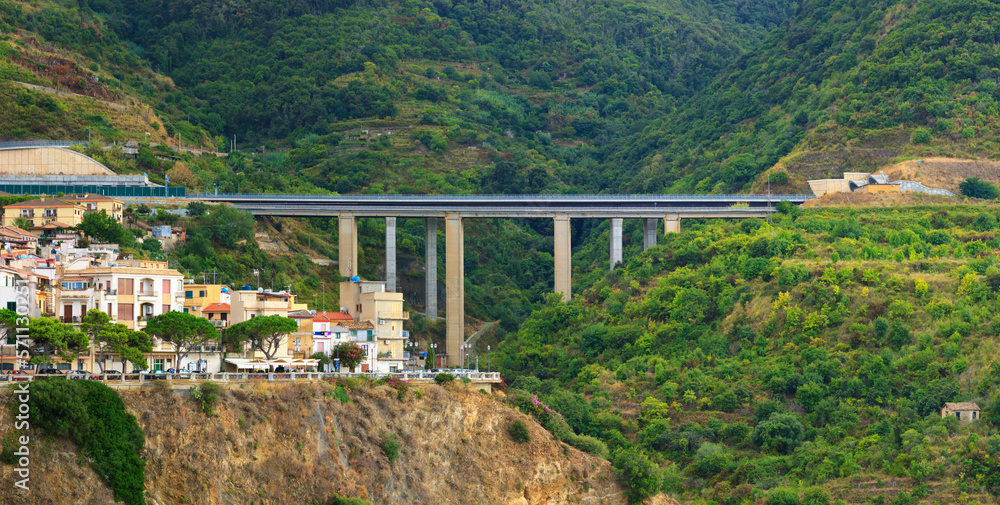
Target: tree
<point>781,432</point>
<point>130,345</point>
<point>184,331</point>
<point>21,222</point>
<point>323,359</point>
<point>637,474</point>
<point>430,362</point>
<point>265,334</point>
<point>100,226</point>
<point>93,324</point>
<point>53,339</point>
<point>351,355</point>
<point>975,187</point>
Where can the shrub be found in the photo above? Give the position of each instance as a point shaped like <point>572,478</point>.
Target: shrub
<point>206,395</point>
<point>340,500</point>
<point>519,432</point>
<point>589,444</point>
<point>920,136</point>
<point>783,497</point>
<point>975,187</point>
<point>341,394</point>
<point>390,446</point>
<point>815,496</point>
<point>444,378</point>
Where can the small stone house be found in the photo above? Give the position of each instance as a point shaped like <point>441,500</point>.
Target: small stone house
<point>964,411</point>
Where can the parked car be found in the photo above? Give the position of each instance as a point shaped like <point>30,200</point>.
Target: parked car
<point>112,372</point>
<point>48,372</point>
<point>16,372</point>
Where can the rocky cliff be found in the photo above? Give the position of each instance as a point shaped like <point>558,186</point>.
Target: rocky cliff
<point>298,444</point>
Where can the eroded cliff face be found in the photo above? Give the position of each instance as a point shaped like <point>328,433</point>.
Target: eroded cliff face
<point>297,444</point>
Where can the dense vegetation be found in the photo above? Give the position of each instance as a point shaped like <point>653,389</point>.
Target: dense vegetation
<point>807,355</point>
<point>93,416</point>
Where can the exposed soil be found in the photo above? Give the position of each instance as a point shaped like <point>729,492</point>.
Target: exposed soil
<point>295,444</point>
<point>944,173</point>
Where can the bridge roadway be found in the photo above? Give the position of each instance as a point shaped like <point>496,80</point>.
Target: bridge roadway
<point>508,206</point>
<point>454,208</point>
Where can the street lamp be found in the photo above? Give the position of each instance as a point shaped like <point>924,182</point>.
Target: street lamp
<point>434,363</point>
<point>487,359</point>
<point>412,346</point>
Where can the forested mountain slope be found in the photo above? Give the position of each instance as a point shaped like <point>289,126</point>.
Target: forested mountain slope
<point>810,355</point>
<point>845,85</point>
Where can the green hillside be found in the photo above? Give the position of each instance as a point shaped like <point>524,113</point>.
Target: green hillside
<point>845,85</point>
<point>813,354</point>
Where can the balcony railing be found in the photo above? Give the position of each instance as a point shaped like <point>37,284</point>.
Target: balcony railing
<point>219,322</point>
<point>74,319</point>
<point>405,316</point>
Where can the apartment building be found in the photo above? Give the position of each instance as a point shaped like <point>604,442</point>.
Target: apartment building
<point>368,301</point>
<point>44,211</point>
<point>130,292</point>
<point>96,203</point>
<point>199,296</point>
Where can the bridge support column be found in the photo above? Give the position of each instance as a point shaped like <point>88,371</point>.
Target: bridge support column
<point>348,245</point>
<point>455,287</point>
<point>390,254</point>
<point>648,233</point>
<point>672,223</point>
<point>562,250</point>
<point>616,241</point>
<point>431,262</point>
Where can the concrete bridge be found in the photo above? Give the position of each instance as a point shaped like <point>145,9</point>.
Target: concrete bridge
<point>453,209</point>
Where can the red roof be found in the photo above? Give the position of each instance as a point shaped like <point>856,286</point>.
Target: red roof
<point>216,307</point>
<point>322,317</point>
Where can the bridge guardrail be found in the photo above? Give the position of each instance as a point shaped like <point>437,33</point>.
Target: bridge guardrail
<point>459,198</point>
<point>194,377</point>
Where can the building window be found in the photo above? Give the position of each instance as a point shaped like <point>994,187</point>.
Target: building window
<point>201,294</point>
<point>157,364</point>
<point>188,295</point>
<point>185,310</point>
<point>12,306</point>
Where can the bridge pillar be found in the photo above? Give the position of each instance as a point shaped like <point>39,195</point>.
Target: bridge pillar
<point>672,223</point>
<point>431,262</point>
<point>616,241</point>
<point>455,288</point>
<point>648,233</point>
<point>562,250</point>
<point>348,246</point>
<point>390,254</point>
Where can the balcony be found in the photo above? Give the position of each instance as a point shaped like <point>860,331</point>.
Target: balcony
<point>219,323</point>
<point>405,316</point>
<point>70,320</point>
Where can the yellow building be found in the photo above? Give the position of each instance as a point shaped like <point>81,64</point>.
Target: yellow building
<point>42,211</point>
<point>199,296</point>
<point>96,203</point>
<point>129,295</point>
<point>368,301</point>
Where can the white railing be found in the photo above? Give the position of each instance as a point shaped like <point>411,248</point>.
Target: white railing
<point>183,377</point>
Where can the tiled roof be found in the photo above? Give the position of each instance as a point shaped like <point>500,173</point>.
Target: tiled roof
<point>216,307</point>
<point>90,197</point>
<point>961,406</point>
<point>358,325</point>
<point>322,317</point>
<point>41,202</point>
